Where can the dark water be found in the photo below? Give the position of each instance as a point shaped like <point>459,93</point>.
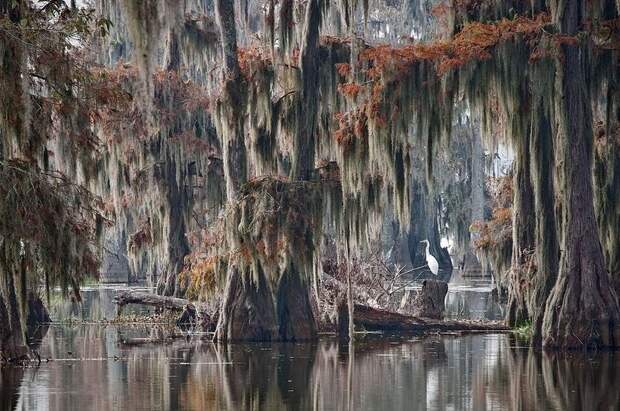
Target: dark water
<point>91,370</point>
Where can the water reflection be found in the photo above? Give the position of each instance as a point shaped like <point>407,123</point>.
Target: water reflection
<point>91,370</point>
<point>475,303</point>
<point>10,381</point>
<point>97,304</point>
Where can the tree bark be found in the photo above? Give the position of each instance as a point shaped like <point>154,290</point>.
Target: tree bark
<point>582,310</point>
<point>547,248</point>
<point>230,106</point>
<point>373,319</point>
<point>256,312</point>
<point>350,306</point>
<point>12,327</point>
<point>429,303</point>
<point>607,181</point>
<point>275,305</point>
<point>178,248</point>
<point>522,234</point>
<point>307,105</point>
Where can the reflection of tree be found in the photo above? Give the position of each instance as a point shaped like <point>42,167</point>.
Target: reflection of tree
<point>264,374</point>
<point>525,391</point>
<point>563,380</point>
<point>582,381</point>
<point>10,382</point>
<point>480,372</point>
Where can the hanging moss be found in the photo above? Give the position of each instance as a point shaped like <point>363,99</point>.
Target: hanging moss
<point>51,222</point>
<point>272,236</point>
<point>285,113</point>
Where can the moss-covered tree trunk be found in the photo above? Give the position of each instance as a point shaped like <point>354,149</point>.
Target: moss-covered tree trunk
<point>12,132</point>
<point>178,248</point>
<point>607,180</point>
<point>265,301</point>
<point>230,104</point>
<point>267,293</point>
<point>307,107</point>
<point>582,310</point>
<point>12,315</point>
<point>522,235</point>
<point>547,249</point>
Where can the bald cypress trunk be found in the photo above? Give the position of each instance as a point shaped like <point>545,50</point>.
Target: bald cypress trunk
<point>582,310</point>
<point>230,104</point>
<point>547,248</point>
<point>607,180</point>
<point>522,235</point>
<point>12,137</point>
<point>12,327</point>
<point>263,301</point>
<point>307,106</point>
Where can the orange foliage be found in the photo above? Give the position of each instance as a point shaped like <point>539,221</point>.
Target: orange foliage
<point>252,59</point>
<point>200,274</point>
<point>120,114</point>
<point>497,230</point>
<point>473,42</point>
<point>351,126</point>
<point>331,40</point>
<point>343,69</point>
<point>350,89</point>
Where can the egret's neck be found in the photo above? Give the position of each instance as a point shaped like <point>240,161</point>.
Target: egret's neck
<point>427,247</point>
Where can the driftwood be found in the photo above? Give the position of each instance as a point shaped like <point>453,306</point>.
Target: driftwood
<point>365,317</point>
<point>159,339</point>
<point>205,320</point>
<point>123,298</point>
<point>373,319</point>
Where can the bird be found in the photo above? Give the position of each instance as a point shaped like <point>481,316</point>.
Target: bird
<point>433,265</point>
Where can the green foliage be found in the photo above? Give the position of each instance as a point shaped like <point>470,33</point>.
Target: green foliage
<point>524,329</point>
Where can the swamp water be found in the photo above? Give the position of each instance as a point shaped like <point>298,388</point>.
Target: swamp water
<point>90,370</point>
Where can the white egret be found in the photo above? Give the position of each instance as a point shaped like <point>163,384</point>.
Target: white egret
<point>430,260</point>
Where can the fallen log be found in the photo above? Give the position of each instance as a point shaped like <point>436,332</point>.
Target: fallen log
<point>123,298</point>
<point>373,319</point>
<point>207,321</point>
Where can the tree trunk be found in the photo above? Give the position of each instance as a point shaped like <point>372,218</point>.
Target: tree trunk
<point>374,319</point>
<point>230,106</point>
<point>254,311</point>
<point>273,305</point>
<point>547,249</point>
<point>582,310</point>
<point>522,235</point>
<point>430,301</point>
<point>417,231</point>
<point>12,326</point>
<point>178,248</point>
<point>307,105</point>
<point>607,182</point>
<point>350,307</point>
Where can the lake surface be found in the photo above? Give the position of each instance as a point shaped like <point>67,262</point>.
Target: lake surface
<point>90,369</point>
